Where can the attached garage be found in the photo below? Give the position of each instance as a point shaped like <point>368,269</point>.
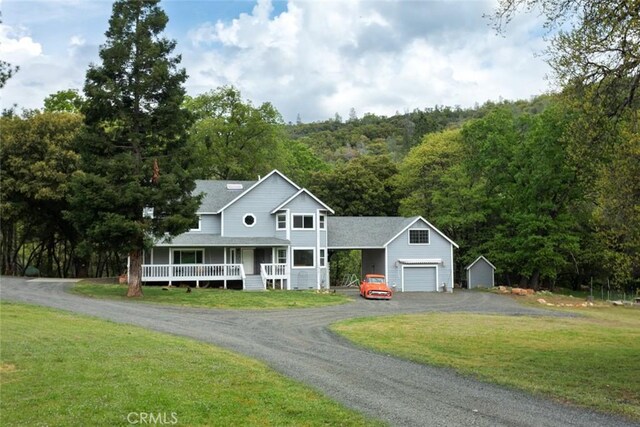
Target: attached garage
<point>419,278</point>
<point>413,254</point>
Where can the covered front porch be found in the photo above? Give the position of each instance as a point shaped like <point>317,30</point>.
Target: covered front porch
<point>238,267</point>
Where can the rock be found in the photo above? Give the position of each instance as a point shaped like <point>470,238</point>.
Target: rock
<point>617,303</point>
<point>502,289</point>
<point>530,291</point>
<point>549,304</point>
<point>519,291</point>
<point>541,301</point>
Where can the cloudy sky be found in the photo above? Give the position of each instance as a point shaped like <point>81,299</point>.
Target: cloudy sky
<point>312,58</point>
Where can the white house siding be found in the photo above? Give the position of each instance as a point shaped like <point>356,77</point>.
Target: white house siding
<point>260,201</point>
<point>480,275</point>
<point>438,248</point>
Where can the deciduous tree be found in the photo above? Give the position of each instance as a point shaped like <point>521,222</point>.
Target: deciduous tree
<point>69,101</point>
<point>593,43</point>
<point>232,138</point>
<point>361,187</point>
<point>37,160</point>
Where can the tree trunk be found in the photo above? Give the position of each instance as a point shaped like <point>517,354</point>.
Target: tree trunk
<point>535,280</point>
<point>81,265</point>
<point>135,273</point>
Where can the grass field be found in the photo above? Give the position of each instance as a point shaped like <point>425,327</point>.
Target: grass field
<point>215,298</point>
<point>593,361</point>
<point>67,370</point>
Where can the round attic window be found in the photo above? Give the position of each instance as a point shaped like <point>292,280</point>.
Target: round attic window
<point>249,220</point>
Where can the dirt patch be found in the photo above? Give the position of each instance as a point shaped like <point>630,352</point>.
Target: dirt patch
<point>6,368</point>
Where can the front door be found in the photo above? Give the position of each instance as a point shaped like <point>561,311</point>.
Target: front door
<point>247,261</point>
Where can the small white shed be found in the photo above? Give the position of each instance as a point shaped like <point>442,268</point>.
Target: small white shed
<point>480,273</point>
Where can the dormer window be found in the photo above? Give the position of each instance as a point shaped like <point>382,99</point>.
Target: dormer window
<point>249,220</point>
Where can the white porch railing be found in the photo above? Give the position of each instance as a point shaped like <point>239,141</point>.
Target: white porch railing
<point>273,272</point>
<point>197,272</point>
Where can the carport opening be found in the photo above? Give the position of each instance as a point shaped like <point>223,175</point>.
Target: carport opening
<point>345,267</point>
<point>348,266</point>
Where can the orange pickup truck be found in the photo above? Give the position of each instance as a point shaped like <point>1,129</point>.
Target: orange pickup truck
<point>374,286</point>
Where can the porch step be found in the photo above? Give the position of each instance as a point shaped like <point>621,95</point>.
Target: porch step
<point>253,283</point>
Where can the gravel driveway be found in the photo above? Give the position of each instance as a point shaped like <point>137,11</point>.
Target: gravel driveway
<point>298,344</point>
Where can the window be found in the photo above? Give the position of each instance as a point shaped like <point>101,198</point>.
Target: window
<point>323,219</point>
<point>249,220</point>
<point>323,258</point>
<point>197,223</point>
<point>419,237</point>
<point>303,258</point>
<point>188,256</point>
<point>281,222</point>
<point>303,222</point>
<point>281,256</point>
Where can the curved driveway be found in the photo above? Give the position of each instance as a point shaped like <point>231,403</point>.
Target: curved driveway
<point>298,344</point>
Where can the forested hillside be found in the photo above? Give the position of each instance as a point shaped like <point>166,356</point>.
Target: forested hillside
<point>337,139</point>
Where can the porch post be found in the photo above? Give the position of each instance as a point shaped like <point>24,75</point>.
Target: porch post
<point>224,269</point>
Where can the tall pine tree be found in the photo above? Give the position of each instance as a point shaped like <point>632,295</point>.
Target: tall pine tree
<point>134,147</point>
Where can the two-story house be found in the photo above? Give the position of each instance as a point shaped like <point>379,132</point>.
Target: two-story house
<point>271,231</point>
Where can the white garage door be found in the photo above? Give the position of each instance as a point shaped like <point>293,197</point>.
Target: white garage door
<point>420,279</point>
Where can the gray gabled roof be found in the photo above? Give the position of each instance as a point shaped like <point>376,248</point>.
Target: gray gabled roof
<point>481,257</point>
<point>301,191</point>
<point>205,239</point>
<point>361,232</point>
<point>217,195</point>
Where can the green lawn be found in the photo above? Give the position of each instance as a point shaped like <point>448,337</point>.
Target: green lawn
<point>592,361</point>
<point>62,369</point>
<point>216,298</point>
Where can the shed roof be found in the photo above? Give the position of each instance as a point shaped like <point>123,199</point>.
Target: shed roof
<point>362,232</point>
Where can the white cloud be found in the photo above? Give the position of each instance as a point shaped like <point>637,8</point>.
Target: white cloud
<point>77,40</point>
<point>41,73</point>
<point>16,46</point>
<point>317,58</point>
